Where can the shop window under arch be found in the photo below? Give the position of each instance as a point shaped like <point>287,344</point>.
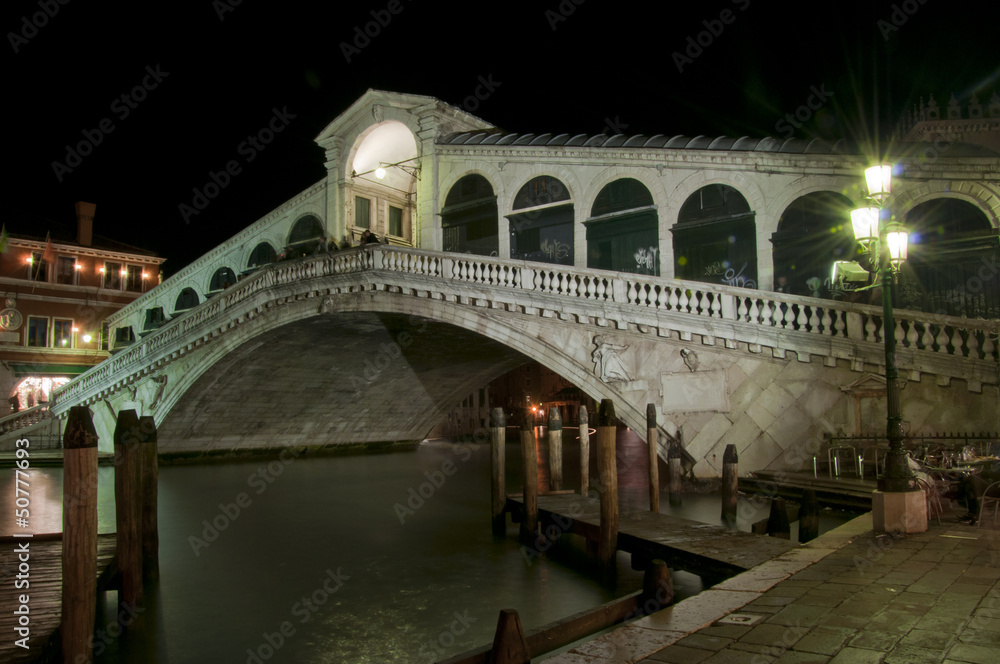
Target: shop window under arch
<point>951,263</point>
<point>541,224</point>
<point>813,232</point>
<point>623,229</point>
<point>469,217</point>
<point>715,238</point>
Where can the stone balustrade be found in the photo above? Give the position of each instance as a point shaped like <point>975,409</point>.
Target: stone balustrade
<point>24,418</point>
<point>947,346</point>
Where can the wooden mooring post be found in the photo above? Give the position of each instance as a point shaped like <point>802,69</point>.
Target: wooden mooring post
<point>730,485</point>
<point>777,521</point>
<point>150,487</point>
<point>529,461</point>
<point>657,587</point>
<point>509,644</point>
<point>584,453</point>
<point>652,440</point>
<point>79,542</point>
<point>808,517</point>
<point>674,471</point>
<point>607,468</point>
<point>555,449</point>
<point>128,506</point>
<point>498,481</point>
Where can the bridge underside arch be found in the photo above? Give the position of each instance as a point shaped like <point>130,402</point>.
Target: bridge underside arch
<point>344,377</point>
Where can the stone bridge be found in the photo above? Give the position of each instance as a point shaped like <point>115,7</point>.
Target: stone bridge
<point>376,343</point>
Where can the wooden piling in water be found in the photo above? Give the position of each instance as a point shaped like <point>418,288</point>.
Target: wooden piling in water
<point>808,517</point>
<point>498,477</point>
<point>777,521</point>
<point>529,462</point>
<point>674,471</point>
<point>150,486</point>
<point>652,440</point>
<point>555,449</point>
<point>79,543</point>
<point>584,452</point>
<point>657,587</point>
<point>730,484</point>
<point>509,644</point>
<point>607,468</point>
<point>128,504</point>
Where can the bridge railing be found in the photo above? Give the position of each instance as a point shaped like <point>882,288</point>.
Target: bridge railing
<point>941,335</point>
<point>24,418</point>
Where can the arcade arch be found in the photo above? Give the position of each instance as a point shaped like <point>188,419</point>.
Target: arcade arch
<point>715,238</point>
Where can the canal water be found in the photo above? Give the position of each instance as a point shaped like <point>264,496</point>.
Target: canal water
<point>343,559</point>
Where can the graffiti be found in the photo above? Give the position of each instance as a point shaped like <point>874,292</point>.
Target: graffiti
<point>554,249</point>
<point>646,257</point>
<point>715,268</point>
<point>734,278</point>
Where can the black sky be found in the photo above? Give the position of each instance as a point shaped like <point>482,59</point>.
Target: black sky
<point>555,66</point>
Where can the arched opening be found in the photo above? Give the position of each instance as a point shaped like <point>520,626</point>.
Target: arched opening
<point>385,169</point>
<point>715,240</point>
<point>541,225</point>
<point>622,231</point>
<point>951,266</point>
<point>223,278</point>
<point>469,217</point>
<point>813,232</point>
<point>186,299</point>
<point>263,254</point>
<point>306,237</point>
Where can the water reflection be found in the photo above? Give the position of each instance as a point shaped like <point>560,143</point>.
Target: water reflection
<point>379,558</point>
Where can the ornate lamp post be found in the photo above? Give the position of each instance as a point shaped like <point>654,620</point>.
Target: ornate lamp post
<point>886,244</point>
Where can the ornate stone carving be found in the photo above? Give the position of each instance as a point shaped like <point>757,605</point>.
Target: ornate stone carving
<point>610,367</point>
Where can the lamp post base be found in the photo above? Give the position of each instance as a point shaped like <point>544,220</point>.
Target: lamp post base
<point>899,511</point>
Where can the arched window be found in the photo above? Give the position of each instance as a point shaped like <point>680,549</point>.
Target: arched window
<point>623,230</point>
<point>186,299</point>
<point>952,247</point>
<point>469,217</point>
<point>222,279</point>
<point>307,228</point>
<point>715,239</point>
<point>813,232</point>
<point>262,255</point>
<point>541,225</point>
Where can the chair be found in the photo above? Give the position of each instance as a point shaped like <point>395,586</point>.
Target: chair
<point>933,500</point>
<point>988,499</point>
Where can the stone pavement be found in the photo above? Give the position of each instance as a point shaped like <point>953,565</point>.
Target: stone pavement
<point>848,597</point>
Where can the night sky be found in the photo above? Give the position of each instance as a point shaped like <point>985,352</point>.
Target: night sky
<point>212,74</point>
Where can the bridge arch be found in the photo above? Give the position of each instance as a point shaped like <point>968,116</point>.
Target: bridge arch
<point>222,376</point>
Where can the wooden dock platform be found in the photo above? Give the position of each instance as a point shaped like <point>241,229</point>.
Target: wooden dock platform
<point>845,492</point>
<point>44,593</point>
<point>699,548</point>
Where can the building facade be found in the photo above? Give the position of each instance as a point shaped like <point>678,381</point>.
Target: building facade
<point>59,287</point>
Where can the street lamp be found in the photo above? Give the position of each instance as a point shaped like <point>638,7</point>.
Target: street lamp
<point>886,245</point>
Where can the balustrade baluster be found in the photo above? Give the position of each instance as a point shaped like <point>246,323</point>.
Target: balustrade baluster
<point>826,320</point>
<point>872,331</point>
<point>813,320</point>
<point>972,343</point>
<point>632,294</point>
<point>753,313</point>
<point>912,336</point>
<point>956,342</point>
<point>742,313</point>
<point>674,300</point>
<point>989,348</point>
<point>683,301</point>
